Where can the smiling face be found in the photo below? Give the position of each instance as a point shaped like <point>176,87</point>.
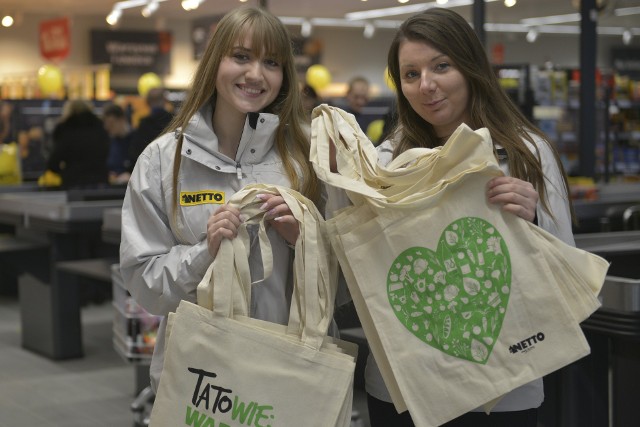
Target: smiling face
<point>247,82</point>
<point>436,90</point>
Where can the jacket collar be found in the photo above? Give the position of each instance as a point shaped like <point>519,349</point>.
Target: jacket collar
<point>258,136</point>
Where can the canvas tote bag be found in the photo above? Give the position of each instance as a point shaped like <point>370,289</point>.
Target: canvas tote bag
<point>460,303</point>
<point>223,368</point>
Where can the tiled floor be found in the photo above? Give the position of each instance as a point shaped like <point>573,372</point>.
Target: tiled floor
<point>93,391</point>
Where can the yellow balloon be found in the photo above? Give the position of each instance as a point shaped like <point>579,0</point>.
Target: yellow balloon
<point>374,130</point>
<point>148,81</point>
<point>388,80</point>
<point>318,76</point>
<point>49,79</point>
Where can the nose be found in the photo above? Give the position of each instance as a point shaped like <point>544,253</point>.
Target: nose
<point>254,71</point>
<point>427,83</point>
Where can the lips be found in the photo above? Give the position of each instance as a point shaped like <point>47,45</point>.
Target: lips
<point>434,104</point>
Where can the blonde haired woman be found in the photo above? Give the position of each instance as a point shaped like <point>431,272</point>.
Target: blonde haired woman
<point>241,123</point>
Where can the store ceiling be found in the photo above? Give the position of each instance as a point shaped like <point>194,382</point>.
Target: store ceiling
<point>495,11</point>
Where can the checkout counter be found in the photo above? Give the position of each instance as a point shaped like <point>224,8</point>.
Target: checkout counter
<point>70,224</point>
<point>603,388</point>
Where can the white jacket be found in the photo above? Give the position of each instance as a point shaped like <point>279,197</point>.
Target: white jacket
<point>529,395</point>
<point>162,264</point>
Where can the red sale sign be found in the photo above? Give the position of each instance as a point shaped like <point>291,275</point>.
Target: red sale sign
<point>55,40</point>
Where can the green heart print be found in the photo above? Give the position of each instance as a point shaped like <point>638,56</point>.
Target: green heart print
<point>454,299</point>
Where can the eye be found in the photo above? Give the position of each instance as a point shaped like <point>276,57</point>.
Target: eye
<point>410,74</point>
<point>272,63</point>
<point>442,66</point>
<point>240,56</point>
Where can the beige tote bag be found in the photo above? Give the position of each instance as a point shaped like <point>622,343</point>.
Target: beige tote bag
<point>224,368</point>
<point>460,303</point>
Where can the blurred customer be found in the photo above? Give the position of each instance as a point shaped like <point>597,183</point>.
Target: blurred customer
<point>119,162</point>
<point>5,122</point>
<point>31,144</point>
<point>154,124</point>
<point>80,147</point>
<point>357,98</point>
<point>310,98</point>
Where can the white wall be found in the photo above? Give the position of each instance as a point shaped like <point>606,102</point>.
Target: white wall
<point>346,52</point>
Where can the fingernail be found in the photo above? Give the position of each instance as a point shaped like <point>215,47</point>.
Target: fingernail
<point>260,196</point>
<point>271,212</point>
<point>277,219</point>
<point>243,217</point>
<point>263,207</point>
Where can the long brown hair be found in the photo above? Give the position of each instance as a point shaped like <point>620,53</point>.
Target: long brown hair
<point>269,37</point>
<point>489,105</point>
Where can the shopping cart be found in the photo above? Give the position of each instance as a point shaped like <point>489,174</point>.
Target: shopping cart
<point>134,335</point>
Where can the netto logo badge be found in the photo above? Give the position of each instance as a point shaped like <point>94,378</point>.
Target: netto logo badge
<point>526,344</point>
<point>201,197</point>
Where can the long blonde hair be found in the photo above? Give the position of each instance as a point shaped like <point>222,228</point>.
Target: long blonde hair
<point>269,37</point>
<point>489,105</point>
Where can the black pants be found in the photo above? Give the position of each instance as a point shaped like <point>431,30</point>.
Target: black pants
<point>383,414</point>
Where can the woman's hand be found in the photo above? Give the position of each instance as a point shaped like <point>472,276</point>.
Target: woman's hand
<point>515,195</point>
<point>280,217</point>
<point>222,224</point>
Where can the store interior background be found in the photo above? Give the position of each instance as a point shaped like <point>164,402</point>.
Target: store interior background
<point>552,60</point>
<point>346,52</point>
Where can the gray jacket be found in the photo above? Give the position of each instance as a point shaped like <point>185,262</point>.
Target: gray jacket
<point>163,260</point>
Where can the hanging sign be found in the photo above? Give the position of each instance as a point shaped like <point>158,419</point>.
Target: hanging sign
<point>55,41</point>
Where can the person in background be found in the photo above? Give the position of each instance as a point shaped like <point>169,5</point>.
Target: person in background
<point>242,122</point>
<point>80,147</point>
<point>5,122</point>
<point>357,98</point>
<point>444,79</point>
<point>151,126</point>
<point>310,98</point>
<point>31,143</point>
<point>121,134</point>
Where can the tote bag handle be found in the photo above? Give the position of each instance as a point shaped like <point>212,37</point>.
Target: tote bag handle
<point>226,287</point>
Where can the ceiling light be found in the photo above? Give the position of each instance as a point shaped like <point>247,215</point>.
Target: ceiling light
<point>114,17</point>
<point>190,4</point>
<point>532,35</point>
<point>7,21</point>
<point>626,37</point>
<point>442,2</point>
<point>624,11</point>
<point>553,19</point>
<point>369,30</point>
<point>150,8</point>
<point>407,9</point>
<point>510,3</point>
<point>402,1</point>
<point>305,28</point>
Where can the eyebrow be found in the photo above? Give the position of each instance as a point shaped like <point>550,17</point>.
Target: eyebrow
<point>434,59</point>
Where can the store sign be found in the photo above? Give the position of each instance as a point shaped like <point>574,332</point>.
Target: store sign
<point>55,41</point>
<point>132,52</point>
<point>626,61</point>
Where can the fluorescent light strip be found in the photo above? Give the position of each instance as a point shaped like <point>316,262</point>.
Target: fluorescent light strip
<point>574,17</point>
<point>494,28</point>
<point>403,10</point>
<point>624,11</point>
<point>554,19</point>
<point>128,4</point>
